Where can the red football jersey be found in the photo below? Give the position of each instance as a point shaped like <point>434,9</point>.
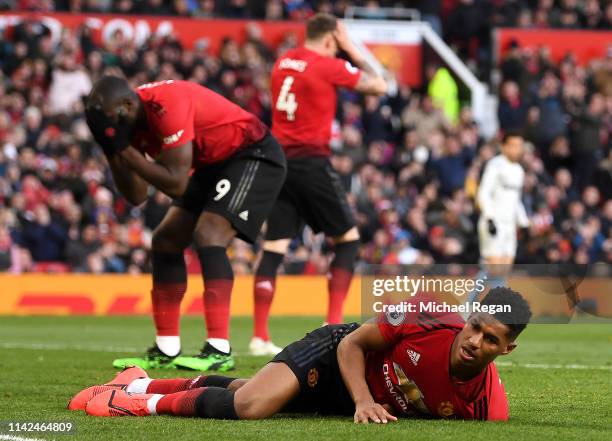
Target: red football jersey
<point>181,111</point>
<point>304,99</point>
<point>413,375</point>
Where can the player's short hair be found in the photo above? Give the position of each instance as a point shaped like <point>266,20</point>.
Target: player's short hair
<point>518,316</point>
<point>110,89</point>
<point>320,24</point>
<point>511,134</point>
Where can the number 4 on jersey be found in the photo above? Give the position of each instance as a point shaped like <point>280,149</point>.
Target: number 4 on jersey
<point>286,100</point>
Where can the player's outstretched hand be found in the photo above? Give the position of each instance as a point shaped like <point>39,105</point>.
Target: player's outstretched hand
<point>371,411</point>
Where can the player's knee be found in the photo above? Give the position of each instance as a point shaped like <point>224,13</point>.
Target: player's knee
<point>249,407</point>
<point>279,246</point>
<point>213,230</point>
<point>164,241</point>
<point>349,236</point>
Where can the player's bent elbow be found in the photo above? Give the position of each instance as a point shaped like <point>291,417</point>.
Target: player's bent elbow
<point>345,346</point>
<point>136,199</point>
<point>381,87</point>
<point>177,190</point>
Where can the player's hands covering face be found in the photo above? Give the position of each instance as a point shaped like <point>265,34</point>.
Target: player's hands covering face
<point>342,37</point>
<point>112,137</point>
<point>371,411</point>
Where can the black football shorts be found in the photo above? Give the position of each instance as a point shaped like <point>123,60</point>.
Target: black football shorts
<point>242,189</point>
<point>313,193</point>
<point>313,361</point>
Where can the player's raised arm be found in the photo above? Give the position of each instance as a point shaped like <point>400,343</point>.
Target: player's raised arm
<point>351,360</point>
<point>370,82</point>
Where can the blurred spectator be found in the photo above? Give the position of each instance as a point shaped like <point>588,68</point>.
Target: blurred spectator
<point>451,167</point>
<point>44,237</point>
<point>68,83</point>
<point>412,162</point>
<point>512,112</point>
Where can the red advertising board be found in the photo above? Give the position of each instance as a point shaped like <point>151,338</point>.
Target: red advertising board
<point>139,28</point>
<point>585,45</point>
<point>402,59</point>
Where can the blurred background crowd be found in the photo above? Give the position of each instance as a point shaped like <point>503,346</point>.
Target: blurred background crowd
<point>412,166</point>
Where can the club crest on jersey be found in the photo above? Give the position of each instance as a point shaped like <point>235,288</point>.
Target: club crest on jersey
<point>413,356</point>
<point>313,377</point>
<point>352,69</point>
<point>395,318</point>
<point>446,409</point>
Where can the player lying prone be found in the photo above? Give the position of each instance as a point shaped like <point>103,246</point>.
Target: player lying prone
<point>436,367</point>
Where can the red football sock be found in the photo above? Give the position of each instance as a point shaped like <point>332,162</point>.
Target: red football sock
<point>179,403</point>
<point>217,296</point>
<point>264,293</point>
<point>338,285</point>
<point>166,299</point>
<point>218,282</point>
<point>171,385</point>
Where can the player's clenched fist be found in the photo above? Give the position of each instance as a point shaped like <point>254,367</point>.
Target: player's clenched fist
<point>371,411</point>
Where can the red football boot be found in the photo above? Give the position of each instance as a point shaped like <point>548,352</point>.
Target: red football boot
<point>121,381</point>
<point>118,403</point>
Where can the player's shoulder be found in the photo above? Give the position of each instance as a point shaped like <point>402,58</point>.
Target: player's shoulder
<point>497,160</point>
<point>167,91</point>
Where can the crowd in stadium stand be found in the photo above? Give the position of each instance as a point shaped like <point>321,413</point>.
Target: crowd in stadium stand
<point>412,164</point>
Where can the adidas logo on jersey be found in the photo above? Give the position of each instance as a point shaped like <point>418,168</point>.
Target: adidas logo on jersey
<point>173,138</point>
<point>413,356</point>
<point>244,215</point>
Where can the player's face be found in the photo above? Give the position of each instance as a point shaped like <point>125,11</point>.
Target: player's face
<point>482,339</point>
<point>513,148</point>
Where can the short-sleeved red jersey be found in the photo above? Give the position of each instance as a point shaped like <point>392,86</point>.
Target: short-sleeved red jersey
<point>180,111</point>
<point>413,375</point>
<point>304,99</point>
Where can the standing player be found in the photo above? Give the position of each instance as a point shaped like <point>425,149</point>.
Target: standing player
<point>304,82</point>
<point>436,367</point>
<point>238,171</point>
<point>501,209</point>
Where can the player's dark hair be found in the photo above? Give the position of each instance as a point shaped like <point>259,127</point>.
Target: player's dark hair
<point>110,89</point>
<point>518,316</point>
<point>511,134</point>
<point>320,24</point>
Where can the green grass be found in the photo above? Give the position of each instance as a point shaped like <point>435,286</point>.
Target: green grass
<point>44,360</point>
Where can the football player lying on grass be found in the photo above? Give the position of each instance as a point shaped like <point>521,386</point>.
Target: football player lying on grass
<point>437,367</point>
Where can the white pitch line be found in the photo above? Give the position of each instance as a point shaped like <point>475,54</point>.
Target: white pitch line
<point>553,366</point>
<point>61,347</point>
<point>18,438</point>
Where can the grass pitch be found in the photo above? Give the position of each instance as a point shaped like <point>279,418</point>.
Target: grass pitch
<point>558,381</point>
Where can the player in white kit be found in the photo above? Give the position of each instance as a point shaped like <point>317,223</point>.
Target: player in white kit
<point>501,212</point>
<point>501,208</point>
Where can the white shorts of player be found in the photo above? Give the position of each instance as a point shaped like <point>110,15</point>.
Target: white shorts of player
<point>503,244</point>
